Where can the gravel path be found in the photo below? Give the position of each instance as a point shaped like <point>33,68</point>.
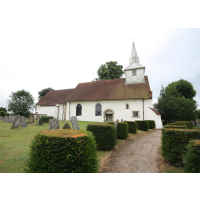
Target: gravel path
<point>137,154</point>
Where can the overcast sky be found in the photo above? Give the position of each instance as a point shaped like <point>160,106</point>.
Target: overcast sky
<point>59,44</point>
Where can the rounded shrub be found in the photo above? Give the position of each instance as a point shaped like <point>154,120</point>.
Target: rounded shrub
<point>47,118</point>
<point>122,130</point>
<point>105,135</point>
<point>143,125</point>
<point>152,124</point>
<point>132,126</point>
<point>63,151</point>
<point>192,157</point>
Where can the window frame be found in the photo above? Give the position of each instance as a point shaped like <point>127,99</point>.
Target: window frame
<point>100,106</point>
<point>80,109</point>
<point>134,72</point>
<point>134,112</point>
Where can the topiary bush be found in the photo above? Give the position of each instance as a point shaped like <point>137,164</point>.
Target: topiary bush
<point>47,118</point>
<point>122,130</point>
<point>62,151</point>
<point>189,124</point>
<point>105,135</point>
<point>174,143</point>
<point>192,157</point>
<point>143,125</point>
<point>132,126</point>
<point>41,120</point>
<point>175,127</point>
<point>152,124</point>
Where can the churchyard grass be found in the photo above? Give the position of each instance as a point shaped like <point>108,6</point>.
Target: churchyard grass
<point>14,144</point>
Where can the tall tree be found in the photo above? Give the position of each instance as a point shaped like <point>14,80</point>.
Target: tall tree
<point>43,92</point>
<point>21,103</point>
<point>173,105</point>
<point>3,109</point>
<point>110,70</point>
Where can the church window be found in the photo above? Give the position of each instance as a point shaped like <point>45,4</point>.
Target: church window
<point>98,110</point>
<point>135,114</point>
<point>78,110</point>
<point>134,72</point>
<point>127,106</point>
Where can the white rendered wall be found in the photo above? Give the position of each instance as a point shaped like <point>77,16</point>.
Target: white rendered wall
<point>49,110</point>
<point>130,79</point>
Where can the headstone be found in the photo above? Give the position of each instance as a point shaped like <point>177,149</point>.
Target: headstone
<point>115,124</point>
<point>198,123</point>
<point>31,118</point>
<point>122,120</point>
<point>23,122</point>
<point>16,121</point>
<point>75,123</point>
<point>6,118</point>
<point>0,118</point>
<point>38,119</point>
<point>3,118</point>
<point>11,119</point>
<point>66,126</point>
<point>117,121</point>
<point>53,124</point>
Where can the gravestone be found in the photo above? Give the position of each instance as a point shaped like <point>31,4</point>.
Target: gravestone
<point>115,124</point>
<point>11,119</point>
<point>0,118</point>
<point>16,121</point>
<point>53,124</point>
<point>75,123</point>
<point>6,118</point>
<point>117,121</point>
<point>198,123</point>
<point>122,120</point>
<point>38,119</point>
<point>31,118</point>
<point>23,122</point>
<point>66,126</point>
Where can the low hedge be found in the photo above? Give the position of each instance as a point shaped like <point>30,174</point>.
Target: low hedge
<point>41,120</point>
<point>62,151</point>
<point>143,125</point>
<point>132,126</point>
<point>47,118</point>
<point>174,143</point>
<point>122,130</point>
<point>152,124</point>
<point>105,135</point>
<point>175,126</point>
<point>189,124</point>
<point>192,157</point>
<point>111,123</point>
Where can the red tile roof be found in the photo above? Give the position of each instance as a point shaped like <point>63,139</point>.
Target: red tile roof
<point>110,89</point>
<point>55,97</point>
<point>154,110</point>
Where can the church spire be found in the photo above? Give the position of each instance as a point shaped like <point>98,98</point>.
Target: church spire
<point>134,57</point>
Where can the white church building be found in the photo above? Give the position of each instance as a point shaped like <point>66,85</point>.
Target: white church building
<point>128,98</point>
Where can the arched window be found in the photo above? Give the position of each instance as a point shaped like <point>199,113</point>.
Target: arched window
<point>98,110</point>
<point>127,106</point>
<point>78,110</point>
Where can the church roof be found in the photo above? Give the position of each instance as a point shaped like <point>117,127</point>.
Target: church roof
<point>134,60</point>
<point>55,97</point>
<point>110,89</point>
<point>155,111</point>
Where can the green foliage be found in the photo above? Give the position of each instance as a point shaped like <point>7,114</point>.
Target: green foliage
<point>192,157</point>
<point>43,92</point>
<point>175,126</point>
<point>174,143</point>
<point>63,151</point>
<point>47,118</point>
<point>105,135</point>
<point>41,120</point>
<point>21,103</point>
<point>2,113</point>
<point>110,70</point>
<point>111,123</point>
<point>173,106</point>
<point>132,126</point>
<point>188,124</point>
<point>198,114</point>
<point>122,130</point>
<point>143,125</point>
<point>152,124</point>
<point>3,109</point>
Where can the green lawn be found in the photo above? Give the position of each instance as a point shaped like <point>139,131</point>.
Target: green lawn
<point>14,144</point>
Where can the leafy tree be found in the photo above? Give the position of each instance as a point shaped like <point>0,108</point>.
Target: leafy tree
<point>43,92</point>
<point>21,103</point>
<point>2,113</point>
<point>3,109</point>
<point>198,114</point>
<point>110,70</point>
<point>174,106</point>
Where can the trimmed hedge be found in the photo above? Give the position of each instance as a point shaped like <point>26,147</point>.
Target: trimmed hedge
<point>122,130</point>
<point>192,157</point>
<point>111,123</point>
<point>47,118</point>
<point>41,120</point>
<point>132,126</point>
<point>152,124</point>
<point>174,143</point>
<point>63,151</point>
<point>105,135</point>
<point>143,125</point>
<point>189,124</point>
<point>175,126</point>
